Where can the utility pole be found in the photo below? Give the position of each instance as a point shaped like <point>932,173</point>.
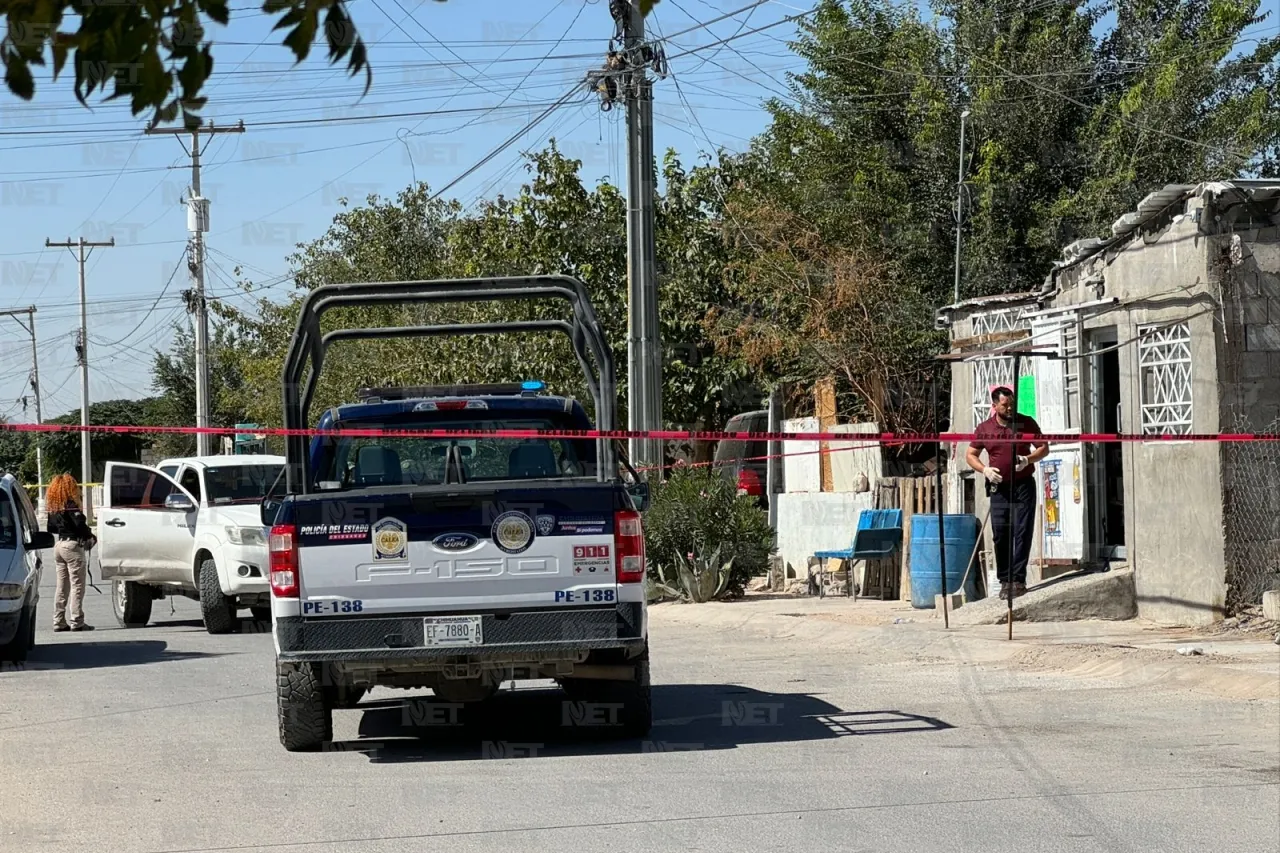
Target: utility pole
<point>644,345</point>
<point>35,387</point>
<point>82,353</point>
<point>198,225</point>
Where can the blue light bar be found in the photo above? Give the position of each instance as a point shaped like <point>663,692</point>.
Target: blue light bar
<point>533,385</point>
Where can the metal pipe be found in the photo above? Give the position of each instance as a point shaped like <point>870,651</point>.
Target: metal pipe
<point>1012,518</point>
<point>960,204</point>
<point>937,472</point>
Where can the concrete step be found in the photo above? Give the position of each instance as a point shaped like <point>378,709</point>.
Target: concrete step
<point>1081,595</point>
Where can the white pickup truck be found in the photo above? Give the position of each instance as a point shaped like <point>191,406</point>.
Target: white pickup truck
<point>190,527</point>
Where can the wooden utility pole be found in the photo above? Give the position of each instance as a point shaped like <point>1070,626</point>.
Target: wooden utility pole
<point>82,353</point>
<point>824,399</point>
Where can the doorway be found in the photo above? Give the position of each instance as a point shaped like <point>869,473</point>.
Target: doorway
<point>1106,460</point>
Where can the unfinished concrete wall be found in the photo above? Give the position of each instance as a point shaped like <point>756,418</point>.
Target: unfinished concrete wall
<point>1250,263</point>
<point>802,464</point>
<point>850,460</point>
<point>1250,403</point>
<point>817,521</point>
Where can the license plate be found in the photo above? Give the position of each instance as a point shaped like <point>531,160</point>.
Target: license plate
<point>451,631</point>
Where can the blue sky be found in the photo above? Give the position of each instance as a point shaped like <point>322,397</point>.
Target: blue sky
<point>66,171</point>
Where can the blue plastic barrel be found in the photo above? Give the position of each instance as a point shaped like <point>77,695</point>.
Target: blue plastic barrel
<point>926,572</point>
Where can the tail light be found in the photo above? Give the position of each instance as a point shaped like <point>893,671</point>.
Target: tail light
<point>628,544</point>
<point>749,483</point>
<point>282,546</point>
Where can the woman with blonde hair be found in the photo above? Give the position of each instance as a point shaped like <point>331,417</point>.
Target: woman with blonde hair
<point>68,524</point>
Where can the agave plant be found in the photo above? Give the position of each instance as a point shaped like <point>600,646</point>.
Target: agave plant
<point>697,577</point>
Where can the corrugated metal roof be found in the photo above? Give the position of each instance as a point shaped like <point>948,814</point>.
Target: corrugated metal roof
<point>995,299</point>
<point>1123,228</point>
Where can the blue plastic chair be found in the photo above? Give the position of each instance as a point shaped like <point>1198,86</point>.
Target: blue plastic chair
<point>879,535</point>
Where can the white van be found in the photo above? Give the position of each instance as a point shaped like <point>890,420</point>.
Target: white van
<point>21,541</point>
<point>190,527</point>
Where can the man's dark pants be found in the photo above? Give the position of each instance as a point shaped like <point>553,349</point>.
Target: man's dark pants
<point>1016,519</point>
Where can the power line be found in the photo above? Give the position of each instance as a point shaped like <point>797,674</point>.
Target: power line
<point>511,140</point>
<point>312,122</point>
<point>152,309</point>
<point>409,16</point>
<point>787,20</point>
<point>1143,127</point>
<point>34,379</point>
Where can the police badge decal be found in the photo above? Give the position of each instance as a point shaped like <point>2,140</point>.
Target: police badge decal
<point>390,540</point>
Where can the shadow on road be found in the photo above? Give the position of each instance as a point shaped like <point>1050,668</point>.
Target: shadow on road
<point>96,655</point>
<point>546,723</point>
<point>246,626</point>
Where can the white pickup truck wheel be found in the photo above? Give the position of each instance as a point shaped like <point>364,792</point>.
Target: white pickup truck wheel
<point>218,610</point>
<point>131,602</point>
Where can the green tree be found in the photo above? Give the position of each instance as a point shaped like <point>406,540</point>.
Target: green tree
<point>173,378</point>
<point>841,217</point>
<point>402,239</point>
<point>844,207</point>
<point>1022,71</point>
<point>1181,97</point>
<point>14,449</point>
<point>62,449</point>
<point>554,225</point>
<point>157,54</point>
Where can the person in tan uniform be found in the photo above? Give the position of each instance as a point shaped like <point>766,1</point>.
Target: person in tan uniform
<point>74,539</point>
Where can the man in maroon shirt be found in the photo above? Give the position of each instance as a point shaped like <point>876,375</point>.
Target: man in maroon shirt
<point>1011,514</point>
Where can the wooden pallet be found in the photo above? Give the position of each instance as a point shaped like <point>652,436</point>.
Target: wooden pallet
<point>912,495</point>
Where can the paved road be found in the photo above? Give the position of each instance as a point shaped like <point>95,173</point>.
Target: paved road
<point>164,739</point>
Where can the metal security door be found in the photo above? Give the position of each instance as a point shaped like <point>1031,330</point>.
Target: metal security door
<point>1060,475</point>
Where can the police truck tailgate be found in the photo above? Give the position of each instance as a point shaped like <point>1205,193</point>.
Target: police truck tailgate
<point>448,549</point>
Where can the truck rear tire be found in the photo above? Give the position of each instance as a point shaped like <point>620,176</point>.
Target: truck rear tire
<point>306,718</point>
<point>218,610</point>
<point>636,698</point>
<point>635,716</point>
<point>132,603</point>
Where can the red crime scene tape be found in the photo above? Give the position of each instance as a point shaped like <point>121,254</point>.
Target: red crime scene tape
<point>667,435</point>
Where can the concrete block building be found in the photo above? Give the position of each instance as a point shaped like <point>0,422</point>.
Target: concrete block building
<point>1170,327</point>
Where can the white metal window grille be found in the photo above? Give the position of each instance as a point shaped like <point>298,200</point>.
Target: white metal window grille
<point>994,370</point>
<point>1164,364</point>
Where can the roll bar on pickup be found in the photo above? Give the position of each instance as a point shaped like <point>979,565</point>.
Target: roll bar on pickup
<point>306,354</point>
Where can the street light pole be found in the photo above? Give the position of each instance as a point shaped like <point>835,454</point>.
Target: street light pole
<point>960,202</point>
